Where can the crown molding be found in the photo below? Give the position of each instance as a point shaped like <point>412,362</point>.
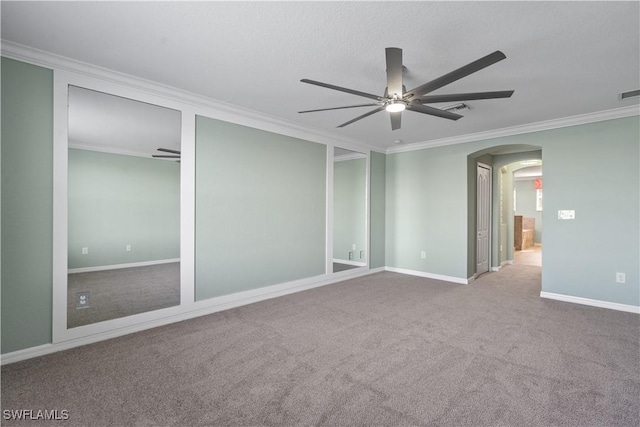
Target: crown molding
<point>225,111</point>
<point>351,156</point>
<point>247,117</point>
<point>616,113</point>
<point>109,150</point>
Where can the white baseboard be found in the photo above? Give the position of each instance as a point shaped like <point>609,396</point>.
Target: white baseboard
<point>592,302</point>
<point>349,262</point>
<point>428,275</point>
<point>118,266</point>
<point>197,309</point>
<point>502,264</point>
<point>227,302</point>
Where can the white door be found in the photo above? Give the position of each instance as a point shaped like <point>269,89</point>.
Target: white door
<point>483,222</point>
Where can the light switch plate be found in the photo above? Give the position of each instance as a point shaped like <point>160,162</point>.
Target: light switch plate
<point>567,214</point>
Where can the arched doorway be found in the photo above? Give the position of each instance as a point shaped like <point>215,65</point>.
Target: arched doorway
<point>503,160</point>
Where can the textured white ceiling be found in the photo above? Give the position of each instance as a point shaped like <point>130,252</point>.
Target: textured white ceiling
<point>563,58</point>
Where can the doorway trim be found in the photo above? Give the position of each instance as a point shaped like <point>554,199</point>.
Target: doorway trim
<point>484,211</point>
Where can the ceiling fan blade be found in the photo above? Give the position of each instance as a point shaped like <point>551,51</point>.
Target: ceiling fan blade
<point>158,156</point>
<point>433,111</point>
<point>342,89</point>
<point>461,72</point>
<point>394,71</point>
<point>361,117</point>
<point>166,150</point>
<point>464,96</point>
<point>396,118</point>
<point>339,108</point>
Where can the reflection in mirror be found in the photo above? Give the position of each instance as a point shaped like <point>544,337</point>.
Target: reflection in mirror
<point>349,210</point>
<point>123,207</point>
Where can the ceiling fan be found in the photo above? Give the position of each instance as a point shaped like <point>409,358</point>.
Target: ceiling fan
<point>397,99</point>
<point>175,154</point>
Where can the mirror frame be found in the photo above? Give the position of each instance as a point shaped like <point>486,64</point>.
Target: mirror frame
<point>62,81</point>
<point>189,106</point>
<point>330,210</point>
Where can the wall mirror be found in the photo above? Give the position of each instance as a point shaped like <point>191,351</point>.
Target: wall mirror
<point>123,200</point>
<point>350,249</point>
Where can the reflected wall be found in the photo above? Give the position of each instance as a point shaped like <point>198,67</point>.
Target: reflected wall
<point>349,209</point>
<point>123,208</point>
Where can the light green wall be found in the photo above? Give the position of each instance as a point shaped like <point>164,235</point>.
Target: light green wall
<point>377,205</point>
<point>27,204</point>
<point>427,208</point>
<point>349,209</point>
<point>260,208</point>
<point>594,170</point>
<point>526,204</point>
<point>117,200</point>
<point>508,184</point>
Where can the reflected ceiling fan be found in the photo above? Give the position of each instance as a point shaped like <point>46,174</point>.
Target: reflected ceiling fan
<point>174,154</point>
<point>397,99</point>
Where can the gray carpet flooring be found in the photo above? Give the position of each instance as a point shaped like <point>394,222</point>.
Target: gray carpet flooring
<point>122,292</point>
<point>385,349</point>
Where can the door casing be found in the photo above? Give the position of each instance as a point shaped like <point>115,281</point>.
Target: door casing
<point>483,217</point>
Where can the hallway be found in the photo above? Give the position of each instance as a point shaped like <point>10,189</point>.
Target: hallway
<point>529,256</point>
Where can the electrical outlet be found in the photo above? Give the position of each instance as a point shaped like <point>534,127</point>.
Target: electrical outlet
<point>621,278</point>
<point>353,246</point>
<point>423,255</point>
<point>85,251</point>
<point>82,300</point>
<point>350,255</point>
<point>128,248</point>
<point>361,254</point>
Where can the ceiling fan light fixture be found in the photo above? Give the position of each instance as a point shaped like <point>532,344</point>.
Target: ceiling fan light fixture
<point>396,106</point>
